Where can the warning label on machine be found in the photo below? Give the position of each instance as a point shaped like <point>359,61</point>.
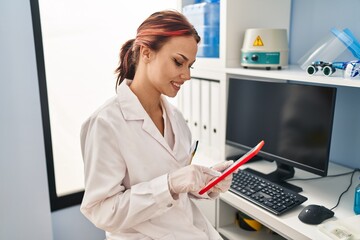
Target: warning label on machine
<point>258,42</point>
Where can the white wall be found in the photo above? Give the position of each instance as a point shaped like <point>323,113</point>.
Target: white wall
<point>24,201</point>
<point>311,22</point>
<point>70,224</point>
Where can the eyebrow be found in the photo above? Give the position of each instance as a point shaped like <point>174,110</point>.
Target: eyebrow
<point>185,58</point>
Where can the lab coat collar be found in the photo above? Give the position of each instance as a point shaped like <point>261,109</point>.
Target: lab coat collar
<point>129,103</point>
<point>174,120</point>
<point>133,110</point>
<point>131,106</point>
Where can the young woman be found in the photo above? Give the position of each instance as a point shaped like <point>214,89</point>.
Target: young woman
<point>136,147</point>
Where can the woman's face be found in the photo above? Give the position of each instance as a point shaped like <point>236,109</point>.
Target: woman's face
<point>170,67</point>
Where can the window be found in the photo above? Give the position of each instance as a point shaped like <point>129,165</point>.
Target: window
<point>77,46</point>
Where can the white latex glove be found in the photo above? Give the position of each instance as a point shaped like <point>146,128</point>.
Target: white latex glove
<point>190,178</point>
<point>225,184</point>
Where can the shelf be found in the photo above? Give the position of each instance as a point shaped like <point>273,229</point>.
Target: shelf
<point>227,211</point>
<point>294,73</point>
<point>232,231</point>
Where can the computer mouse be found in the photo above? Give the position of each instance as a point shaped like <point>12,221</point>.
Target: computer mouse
<point>315,214</point>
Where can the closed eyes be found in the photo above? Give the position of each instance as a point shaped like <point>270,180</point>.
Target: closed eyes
<point>179,64</point>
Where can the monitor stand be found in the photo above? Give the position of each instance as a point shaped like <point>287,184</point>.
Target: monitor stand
<point>279,176</point>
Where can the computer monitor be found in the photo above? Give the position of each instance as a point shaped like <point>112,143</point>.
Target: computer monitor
<point>294,120</point>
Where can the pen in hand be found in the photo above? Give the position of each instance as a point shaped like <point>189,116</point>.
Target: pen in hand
<point>194,147</point>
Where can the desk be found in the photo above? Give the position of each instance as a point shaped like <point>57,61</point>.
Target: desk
<point>323,191</point>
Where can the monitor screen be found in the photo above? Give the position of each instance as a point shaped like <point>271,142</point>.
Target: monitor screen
<point>294,120</point>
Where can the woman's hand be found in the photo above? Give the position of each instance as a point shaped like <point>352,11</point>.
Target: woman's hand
<point>190,179</point>
<point>225,184</point>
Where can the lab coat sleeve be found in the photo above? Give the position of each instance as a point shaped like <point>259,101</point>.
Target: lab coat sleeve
<point>107,203</point>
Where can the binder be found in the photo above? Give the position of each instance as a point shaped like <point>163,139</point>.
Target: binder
<point>205,112</point>
<point>195,110</point>
<point>214,114</point>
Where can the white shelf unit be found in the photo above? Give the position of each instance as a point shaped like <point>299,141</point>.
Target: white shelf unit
<point>292,73</point>
<point>235,17</point>
<point>227,206</point>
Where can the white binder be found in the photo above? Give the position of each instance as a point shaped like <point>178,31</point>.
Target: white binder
<point>205,112</point>
<point>195,110</point>
<point>214,114</point>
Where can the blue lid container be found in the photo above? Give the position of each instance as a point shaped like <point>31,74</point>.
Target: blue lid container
<point>205,17</point>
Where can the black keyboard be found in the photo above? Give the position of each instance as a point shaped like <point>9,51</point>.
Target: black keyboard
<point>264,193</point>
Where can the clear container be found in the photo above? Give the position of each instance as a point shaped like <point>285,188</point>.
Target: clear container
<point>337,47</point>
<point>205,17</point>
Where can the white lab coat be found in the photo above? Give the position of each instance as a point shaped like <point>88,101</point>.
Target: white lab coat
<point>126,162</point>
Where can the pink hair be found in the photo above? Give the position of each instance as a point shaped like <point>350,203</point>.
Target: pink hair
<point>154,32</point>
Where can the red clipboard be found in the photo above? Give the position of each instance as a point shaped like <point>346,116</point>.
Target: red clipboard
<point>246,157</point>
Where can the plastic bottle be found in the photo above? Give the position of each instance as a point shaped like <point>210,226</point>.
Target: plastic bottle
<point>205,16</point>
<point>357,199</point>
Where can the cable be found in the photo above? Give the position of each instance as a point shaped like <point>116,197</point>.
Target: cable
<point>315,178</point>
<point>347,189</point>
<point>336,175</point>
